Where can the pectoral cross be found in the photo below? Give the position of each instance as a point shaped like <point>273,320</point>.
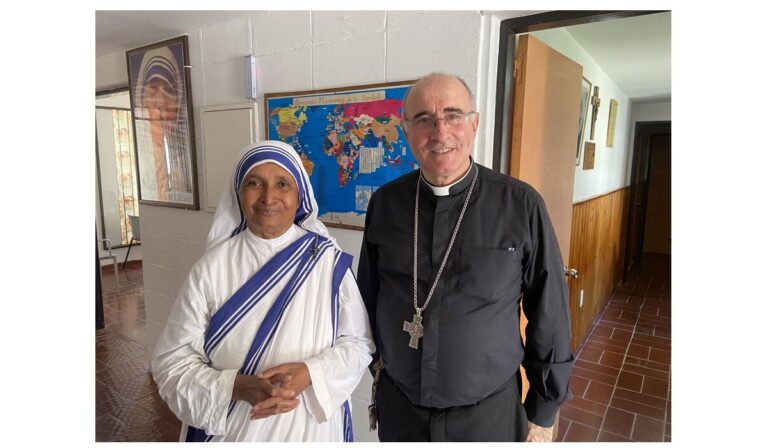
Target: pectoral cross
<point>415,329</point>
<point>595,105</point>
<point>314,250</point>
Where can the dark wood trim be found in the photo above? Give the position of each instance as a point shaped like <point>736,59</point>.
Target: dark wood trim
<point>509,29</point>
<point>113,108</point>
<point>99,298</point>
<point>111,91</point>
<point>597,234</point>
<point>583,201</point>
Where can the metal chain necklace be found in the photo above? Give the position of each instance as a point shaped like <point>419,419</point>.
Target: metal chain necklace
<point>415,328</point>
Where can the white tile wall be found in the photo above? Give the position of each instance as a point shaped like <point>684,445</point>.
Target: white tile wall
<point>197,76</point>
<point>332,26</point>
<point>160,280</point>
<point>225,82</point>
<point>360,422</point>
<point>349,62</point>
<point>420,43</point>
<point>227,41</point>
<point>195,39</point>
<point>269,31</point>
<point>153,328</point>
<point>157,307</point>
<point>156,248</point>
<point>285,72</point>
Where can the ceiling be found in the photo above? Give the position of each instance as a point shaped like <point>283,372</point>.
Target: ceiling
<point>634,52</point>
<point>122,30</point>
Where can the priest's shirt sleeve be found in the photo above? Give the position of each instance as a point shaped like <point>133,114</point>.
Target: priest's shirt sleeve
<point>336,371</point>
<point>197,393</point>
<point>548,358</point>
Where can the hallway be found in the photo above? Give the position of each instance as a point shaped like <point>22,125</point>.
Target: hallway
<point>620,383</point>
<point>621,380</point>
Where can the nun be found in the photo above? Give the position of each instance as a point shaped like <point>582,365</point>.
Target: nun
<point>269,335</point>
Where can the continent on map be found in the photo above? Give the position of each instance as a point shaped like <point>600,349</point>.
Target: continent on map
<point>384,119</point>
<point>308,164</point>
<point>353,127</point>
<point>289,121</point>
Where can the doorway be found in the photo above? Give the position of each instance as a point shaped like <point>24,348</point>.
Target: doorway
<point>116,178</point>
<point>649,221</point>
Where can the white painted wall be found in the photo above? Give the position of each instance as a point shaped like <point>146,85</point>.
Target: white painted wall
<point>324,49</point>
<point>610,170</point>
<point>651,111</point>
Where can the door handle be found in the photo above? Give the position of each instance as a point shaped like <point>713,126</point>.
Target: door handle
<point>573,273</point>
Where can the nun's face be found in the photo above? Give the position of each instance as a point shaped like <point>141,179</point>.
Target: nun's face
<point>269,199</point>
<point>161,100</point>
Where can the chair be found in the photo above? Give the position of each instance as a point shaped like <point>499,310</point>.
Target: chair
<point>110,256</point>
<point>135,236</point>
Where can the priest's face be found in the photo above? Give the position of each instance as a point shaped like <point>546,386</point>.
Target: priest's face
<point>269,199</point>
<point>443,150</point>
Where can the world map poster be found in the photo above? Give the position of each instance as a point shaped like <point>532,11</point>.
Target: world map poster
<point>350,140</point>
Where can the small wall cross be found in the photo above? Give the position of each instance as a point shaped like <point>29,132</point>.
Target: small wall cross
<point>595,105</point>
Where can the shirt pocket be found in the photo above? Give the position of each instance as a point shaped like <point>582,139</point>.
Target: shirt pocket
<point>490,273</point>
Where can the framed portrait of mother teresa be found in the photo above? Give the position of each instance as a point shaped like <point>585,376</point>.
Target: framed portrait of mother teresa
<point>161,102</point>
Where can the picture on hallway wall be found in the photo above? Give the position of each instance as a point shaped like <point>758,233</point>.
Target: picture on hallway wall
<point>612,111</point>
<point>586,88</point>
<point>161,102</point>
<point>350,140</point>
<point>589,156</point>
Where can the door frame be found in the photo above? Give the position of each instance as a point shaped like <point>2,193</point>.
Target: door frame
<point>505,95</point>
<point>641,158</point>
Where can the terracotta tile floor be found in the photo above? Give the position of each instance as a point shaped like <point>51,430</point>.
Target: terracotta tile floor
<point>128,407</point>
<point>621,382</point>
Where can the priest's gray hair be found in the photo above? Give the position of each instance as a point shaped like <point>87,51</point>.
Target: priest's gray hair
<point>440,75</point>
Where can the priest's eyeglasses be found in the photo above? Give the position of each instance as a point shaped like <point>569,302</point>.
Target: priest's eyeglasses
<point>428,122</point>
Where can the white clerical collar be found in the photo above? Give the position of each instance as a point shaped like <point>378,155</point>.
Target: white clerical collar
<point>277,241</point>
<point>446,190</point>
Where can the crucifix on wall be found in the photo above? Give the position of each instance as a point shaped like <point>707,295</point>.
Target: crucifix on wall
<point>595,105</point>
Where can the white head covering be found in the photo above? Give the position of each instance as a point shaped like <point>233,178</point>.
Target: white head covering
<point>159,63</point>
<point>229,220</point>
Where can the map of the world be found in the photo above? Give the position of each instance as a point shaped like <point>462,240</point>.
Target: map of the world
<point>351,143</point>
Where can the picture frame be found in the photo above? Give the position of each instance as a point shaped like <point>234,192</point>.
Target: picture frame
<point>161,104</point>
<point>612,111</point>
<point>586,90</point>
<point>589,156</point>
<point>350,140</point>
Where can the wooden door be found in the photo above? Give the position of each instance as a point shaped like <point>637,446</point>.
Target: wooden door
<point>544,126</point>
<point>658,218</point>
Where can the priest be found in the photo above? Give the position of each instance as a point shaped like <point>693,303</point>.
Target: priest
<point>449,253</point>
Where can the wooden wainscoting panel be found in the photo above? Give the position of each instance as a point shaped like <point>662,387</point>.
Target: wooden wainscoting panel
<point>597,247</point>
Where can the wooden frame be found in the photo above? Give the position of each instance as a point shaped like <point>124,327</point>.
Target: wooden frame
<point>586,90</point>
<point>161,101</point>
<point>344,166</point>
<point>612,112</point>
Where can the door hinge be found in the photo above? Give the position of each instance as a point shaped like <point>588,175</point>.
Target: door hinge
<point>516,72</point>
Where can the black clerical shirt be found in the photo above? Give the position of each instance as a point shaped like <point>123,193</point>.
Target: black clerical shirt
<point>505,251</point>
